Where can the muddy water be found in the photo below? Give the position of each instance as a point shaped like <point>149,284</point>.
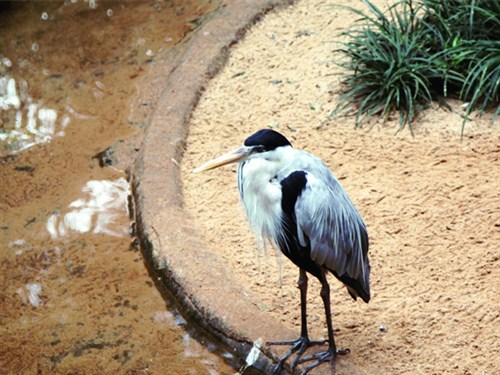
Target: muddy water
<point>75,296</point>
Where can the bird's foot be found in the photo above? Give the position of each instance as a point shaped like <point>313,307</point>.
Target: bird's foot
<point>299,345</point>
<point>319,358</point>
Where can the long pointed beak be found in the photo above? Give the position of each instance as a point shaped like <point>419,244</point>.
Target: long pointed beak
<point>231,157</point>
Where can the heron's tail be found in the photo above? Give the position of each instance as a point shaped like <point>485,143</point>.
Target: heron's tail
<point>355,287</point>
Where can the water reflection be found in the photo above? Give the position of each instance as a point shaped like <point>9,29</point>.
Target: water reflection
<point>24,123</point>
<point>104,203</point>
<point>76,297</point>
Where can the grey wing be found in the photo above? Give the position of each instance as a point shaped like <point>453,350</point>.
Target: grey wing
<point>328,221</point>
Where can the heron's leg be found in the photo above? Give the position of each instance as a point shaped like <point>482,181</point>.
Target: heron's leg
<point>302,285</point>
<point>328,355</point>
<point>303,342</point>
<point>325,296</point>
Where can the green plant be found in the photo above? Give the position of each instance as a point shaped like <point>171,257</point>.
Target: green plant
<point>469,36</point>
<point>469,19</point>
<point>481,85</point>
<point>389,64</point>
<point>416,51</point>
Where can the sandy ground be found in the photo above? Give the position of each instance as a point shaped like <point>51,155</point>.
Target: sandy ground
<point>431,203</point>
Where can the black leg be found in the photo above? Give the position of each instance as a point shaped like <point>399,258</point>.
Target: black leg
<point>303,342</point>
<point>329,355</point>
<point>302,285</point>
<point>325,296</point>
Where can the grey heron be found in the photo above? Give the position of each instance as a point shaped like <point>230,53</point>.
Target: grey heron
<point>292,199</point>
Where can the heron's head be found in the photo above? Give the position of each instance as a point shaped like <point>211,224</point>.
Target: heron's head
<point>257,145</point>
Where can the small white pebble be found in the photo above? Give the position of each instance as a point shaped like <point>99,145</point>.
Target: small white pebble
<point>34,291</point>
<point>6,62</point>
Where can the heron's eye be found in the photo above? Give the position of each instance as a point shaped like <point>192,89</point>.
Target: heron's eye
<point>259,149</point>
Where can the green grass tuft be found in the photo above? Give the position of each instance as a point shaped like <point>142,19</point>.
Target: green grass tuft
<point>417,51</point>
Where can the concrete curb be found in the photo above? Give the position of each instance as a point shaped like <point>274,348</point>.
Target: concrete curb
<point>196,276</point>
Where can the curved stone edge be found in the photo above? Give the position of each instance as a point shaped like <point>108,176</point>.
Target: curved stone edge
<point>200,283</point>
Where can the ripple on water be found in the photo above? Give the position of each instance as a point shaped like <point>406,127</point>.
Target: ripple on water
<point>99,211</point>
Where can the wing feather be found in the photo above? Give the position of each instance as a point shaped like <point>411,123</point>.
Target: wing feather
<point>331,224</point>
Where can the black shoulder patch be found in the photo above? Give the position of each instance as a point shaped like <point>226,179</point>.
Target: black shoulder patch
<point>291,188</point>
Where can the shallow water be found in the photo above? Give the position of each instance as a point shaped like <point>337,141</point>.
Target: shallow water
<point>75,295</point>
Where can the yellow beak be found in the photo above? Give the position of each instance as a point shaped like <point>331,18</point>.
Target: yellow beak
<point>231,157</point>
